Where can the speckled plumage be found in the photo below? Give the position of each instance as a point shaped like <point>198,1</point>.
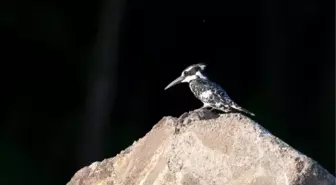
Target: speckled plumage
<point>211,94</point>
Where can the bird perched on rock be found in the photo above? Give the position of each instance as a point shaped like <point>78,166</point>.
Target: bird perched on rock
<point>211,94</point>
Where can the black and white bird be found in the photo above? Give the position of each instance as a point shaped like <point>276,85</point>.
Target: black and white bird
<point>211,94</point>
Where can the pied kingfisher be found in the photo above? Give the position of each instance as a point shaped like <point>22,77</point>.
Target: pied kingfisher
<point>211,94</point>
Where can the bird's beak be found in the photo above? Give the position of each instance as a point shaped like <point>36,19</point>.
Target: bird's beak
<point>176,81</point>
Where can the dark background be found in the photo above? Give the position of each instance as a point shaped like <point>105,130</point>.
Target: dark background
<point>82,80</point>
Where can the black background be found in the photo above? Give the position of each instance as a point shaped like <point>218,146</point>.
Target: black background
<point>82,80</point>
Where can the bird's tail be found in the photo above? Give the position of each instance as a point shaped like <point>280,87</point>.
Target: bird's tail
<point>235,106</point>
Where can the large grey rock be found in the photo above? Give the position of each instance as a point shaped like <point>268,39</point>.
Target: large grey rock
<point>204,149</point>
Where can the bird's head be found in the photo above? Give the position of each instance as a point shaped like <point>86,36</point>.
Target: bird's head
<point>192,72</point>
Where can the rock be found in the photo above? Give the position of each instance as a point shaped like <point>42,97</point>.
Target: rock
<point>202,148</point>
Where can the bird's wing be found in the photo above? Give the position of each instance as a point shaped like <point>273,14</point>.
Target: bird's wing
<point>222,95</point>
<point>218,96</point>
<point>220,99</point>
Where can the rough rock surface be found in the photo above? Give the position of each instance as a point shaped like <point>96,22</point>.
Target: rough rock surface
<point>200,148</point>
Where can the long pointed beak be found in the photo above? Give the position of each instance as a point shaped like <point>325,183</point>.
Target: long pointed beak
<point>176,81</point>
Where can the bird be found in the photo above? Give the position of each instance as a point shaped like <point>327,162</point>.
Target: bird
<point>212,95</point>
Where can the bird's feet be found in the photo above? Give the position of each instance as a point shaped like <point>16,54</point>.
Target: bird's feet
<point>206,113</point>
<point>199,109</point>
<point>204,108</point>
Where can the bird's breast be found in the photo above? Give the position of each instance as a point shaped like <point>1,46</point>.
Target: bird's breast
<point>197,88</point>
